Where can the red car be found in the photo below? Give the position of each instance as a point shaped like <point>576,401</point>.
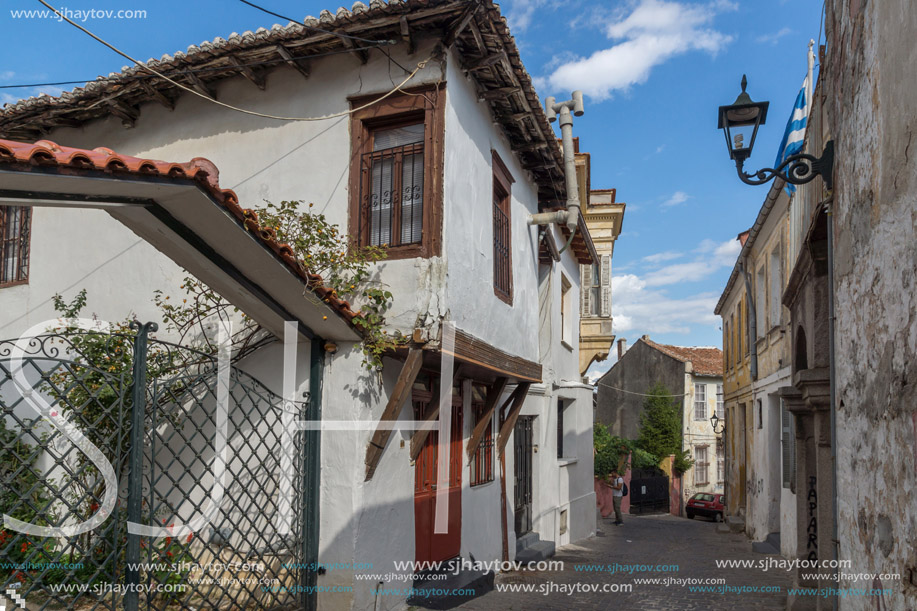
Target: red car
<point>706,504</point>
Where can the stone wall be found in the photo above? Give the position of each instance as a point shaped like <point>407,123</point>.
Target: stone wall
<point>871,84</point>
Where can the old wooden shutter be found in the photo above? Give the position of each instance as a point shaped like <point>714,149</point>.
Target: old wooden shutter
<point>789,447</point>
<point>606,286</point>
<point>585,274</point>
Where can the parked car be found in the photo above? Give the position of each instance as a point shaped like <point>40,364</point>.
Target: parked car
<point>706,504</point>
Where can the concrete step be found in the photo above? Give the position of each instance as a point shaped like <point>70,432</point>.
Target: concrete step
<point>735,524</point>
<point>540,550</point>
<point>478,582</point>
<point>529,538</point>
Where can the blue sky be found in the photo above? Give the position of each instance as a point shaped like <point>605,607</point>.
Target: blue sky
<point>654,72</point>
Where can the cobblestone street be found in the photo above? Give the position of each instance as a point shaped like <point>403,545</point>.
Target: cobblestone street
<point>692,545</point>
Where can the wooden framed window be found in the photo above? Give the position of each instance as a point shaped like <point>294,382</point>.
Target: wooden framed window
<point>503,231</point>
<point>700,466</point>
<point>15,234</point>
<point>482,464</point>
<point>700,401</point>
<point>396,173</point>
<point>719,401</point>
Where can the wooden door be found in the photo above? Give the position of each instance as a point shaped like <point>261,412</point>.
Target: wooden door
<point>429,545</point>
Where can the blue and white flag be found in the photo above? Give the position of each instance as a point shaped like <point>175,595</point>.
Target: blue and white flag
<point>795,133</point>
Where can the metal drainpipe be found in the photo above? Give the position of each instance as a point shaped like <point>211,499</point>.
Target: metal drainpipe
<point>831,380</point>
<point>570,216</point>
<point>752,324</point>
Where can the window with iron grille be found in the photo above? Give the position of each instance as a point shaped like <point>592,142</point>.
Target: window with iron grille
<point>700,401</point>
<point>503,242</point>
<point>15,230</point>
<point>396,173</point>
<point>482,464</point>
<point>700,466</point>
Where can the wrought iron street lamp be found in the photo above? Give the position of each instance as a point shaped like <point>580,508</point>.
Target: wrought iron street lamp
<point>718,427</point>
<point>740,122</point>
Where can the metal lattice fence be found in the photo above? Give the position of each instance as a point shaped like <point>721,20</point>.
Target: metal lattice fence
<point>204,481</point>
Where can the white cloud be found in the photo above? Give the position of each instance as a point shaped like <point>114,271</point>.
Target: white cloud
<point>659,257</point>
<point>712,257</point>
<point>7,75</point>
<point>520,13</point>
<point>774,37</point>
<point>653,32</point>
<point>679,197</point>
<point>637,306</point>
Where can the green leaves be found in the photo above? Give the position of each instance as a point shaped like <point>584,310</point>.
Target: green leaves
<point>660,426</point>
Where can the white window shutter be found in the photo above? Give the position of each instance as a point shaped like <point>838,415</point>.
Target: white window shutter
<point>585,274</point>
<point>605,274</point>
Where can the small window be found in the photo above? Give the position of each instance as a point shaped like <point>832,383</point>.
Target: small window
<point>776,287</point>
<point>595,292</point>
<point>719,401</point>
<point>15,231</point>
<point>503,233</point>
<point>560,428</point>
<point>760,415</point>
<point>482,464</point>
<point>700,401</point>
<point>760,303</point>
<point>726,344</point>
<point>700,466</point>
<point>788,443</point>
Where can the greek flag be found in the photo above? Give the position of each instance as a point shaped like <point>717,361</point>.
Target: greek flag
<point>795,133</point>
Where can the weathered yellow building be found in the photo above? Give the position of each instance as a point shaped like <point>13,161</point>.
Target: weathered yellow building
<point>756,355</point>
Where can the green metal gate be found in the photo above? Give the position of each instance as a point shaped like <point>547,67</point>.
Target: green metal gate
<point>212,482</point>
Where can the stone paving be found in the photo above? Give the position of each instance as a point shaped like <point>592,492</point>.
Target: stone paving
<point>693,545</point>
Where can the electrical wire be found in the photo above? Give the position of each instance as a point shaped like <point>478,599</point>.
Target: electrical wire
<point>419,67</point>
<point>638,393</point>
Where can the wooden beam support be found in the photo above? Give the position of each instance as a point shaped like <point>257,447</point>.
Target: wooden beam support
<point>256,79</point>
<point>156,95</point>
<point>361,54</point>
<point>406,35</point>
<point>478,39</point>
<point>200,86</point>
<point>494,392</point>
<point>419,437</point>
<point>127,114</point>
<point>497,93</point>
<point>399,395</point>
<point>485,62</point>
<point>460,24</point>
<point>507,427</point>
<point>300,65</point>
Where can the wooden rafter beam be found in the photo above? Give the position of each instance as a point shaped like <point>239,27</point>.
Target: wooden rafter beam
<point>200,86</point>
<point>461,24</point>
<point>485,62</point>
<point>406,35</point>
<point>156,95</point>
<point>497,93</point>
<point>361,54</point>
<point>127,114</point>
<point>256,79</point>
<point>399,395</point>
<point>494,392</point>
<point>300,65</point>
<point>507,427</point>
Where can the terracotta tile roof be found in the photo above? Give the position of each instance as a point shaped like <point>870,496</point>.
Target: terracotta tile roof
<point>706,361</point>
<point>743,237</point>
<point>506,85</point>
<point>45,153</point>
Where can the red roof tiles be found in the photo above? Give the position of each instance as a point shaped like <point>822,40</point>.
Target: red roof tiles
<point>49,154</point>
<point>706,361</point>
